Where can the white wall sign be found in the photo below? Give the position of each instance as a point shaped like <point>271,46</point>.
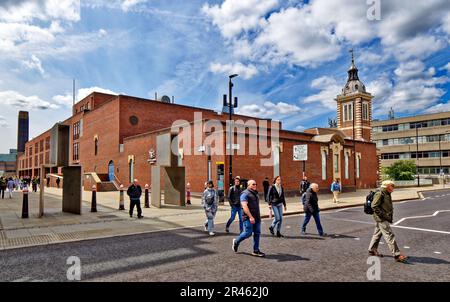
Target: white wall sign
<point>300,152</point>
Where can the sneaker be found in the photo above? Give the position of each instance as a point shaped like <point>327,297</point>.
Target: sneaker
<point>206,227</point>
<point>212,233</point>
<point>323,235</point>
<point>140,217</point>
<point>227,230</point>
<point>401,258</point>
<point>234,246</point>
<point>303,233</point>
<point>279,235</point>
<point>271,230</point>
<point>258,254</point>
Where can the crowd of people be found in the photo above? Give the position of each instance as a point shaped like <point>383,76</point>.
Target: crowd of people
<point>13,183</point>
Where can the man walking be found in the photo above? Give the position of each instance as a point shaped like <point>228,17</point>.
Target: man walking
<point>266,186</point>
<point>135,192</point>
<point>252,219</point>
<point>336,190</point>
<point>10,186</point>
<point>304,185</point>
<point>311,208</point>
<point>234,198</point>
<point>2,186</point>
<point>58,180</point>
<point>383,213</point>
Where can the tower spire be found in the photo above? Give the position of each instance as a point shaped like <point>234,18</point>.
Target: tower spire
<point>352,71</point>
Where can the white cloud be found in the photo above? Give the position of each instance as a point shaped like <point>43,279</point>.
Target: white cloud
<point>329,89</point>
<point>269,110</point>
<point>14,98</point>
<point>84,92</point>
<point>246,72</point>
<point>44,10</point>
<point>442,107</point>
<point>63,100</point>
<point>3,122</point>
<point>236,16</point>
<point>34,63</point>
<point>447,67</point>
<point>66,100</point>
<point>129,4</point>
<point>418,47</point>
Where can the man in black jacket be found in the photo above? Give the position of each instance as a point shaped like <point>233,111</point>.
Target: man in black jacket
<point>304,185</point>
<point>311,208</point>
<point>135,192</point>
<point>234,198</point>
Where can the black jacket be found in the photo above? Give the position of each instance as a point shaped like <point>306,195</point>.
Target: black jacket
<point>134,192</point>
<point>273,198</point>
<point>312,202</point>
<point>252,199</point>
<point>234,196</point>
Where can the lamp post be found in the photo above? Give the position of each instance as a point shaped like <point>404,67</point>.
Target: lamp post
<point>230,112</point>
<point>417,154</point>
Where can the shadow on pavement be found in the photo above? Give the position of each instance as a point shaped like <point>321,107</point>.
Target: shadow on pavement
<point>286,257</point>
<point>427,260</point>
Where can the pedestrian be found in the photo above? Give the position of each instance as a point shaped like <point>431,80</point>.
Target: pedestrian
<point>16,183</point>
<point>311,208</point>
<point>383,213</point>
<point>135,192</point>
<point>234,198</point>
<point>2,186</point>
<point>210,202</point>
<point>266,186</point>
<point>34,184</point>
<point>252,219</point>
<point>58,180</point>
<point>10,186</point>
<point>336,189</point>
<point>276,201</point>
<point>48,180</point>
<point>304,185</point>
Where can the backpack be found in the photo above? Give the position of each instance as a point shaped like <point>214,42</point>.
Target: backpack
<point>209,198</point>
<point>368,204</point>
<point>303,198</point>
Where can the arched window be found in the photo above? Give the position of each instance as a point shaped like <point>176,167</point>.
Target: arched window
<point>324,165</point>
<point>358,165</point>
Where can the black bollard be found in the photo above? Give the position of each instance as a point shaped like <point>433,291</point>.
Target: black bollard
<point>94,199</point>
<point>25,203</point>
<point>147,204</point>
<point>121,199</point>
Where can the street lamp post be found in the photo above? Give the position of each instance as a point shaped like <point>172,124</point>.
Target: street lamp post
<point>417,155</point>
<point>230,112</point>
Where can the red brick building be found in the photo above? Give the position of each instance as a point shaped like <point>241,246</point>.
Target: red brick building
<point>112,137</point>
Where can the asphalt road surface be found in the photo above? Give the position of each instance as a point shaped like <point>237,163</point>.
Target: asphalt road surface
<point>422,232</point>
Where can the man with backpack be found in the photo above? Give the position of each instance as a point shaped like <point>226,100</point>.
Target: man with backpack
<point>304,185</point>
<point>311,209</point>
<point>383,213</point>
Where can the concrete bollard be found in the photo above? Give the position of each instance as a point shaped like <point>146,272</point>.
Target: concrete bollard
<point>94,199</point>
<point>121,198</point>
<point>25,203</point>
<point>147,203</point>
<point>188,194</point>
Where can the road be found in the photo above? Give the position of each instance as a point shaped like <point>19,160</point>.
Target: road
<point>191,255</point>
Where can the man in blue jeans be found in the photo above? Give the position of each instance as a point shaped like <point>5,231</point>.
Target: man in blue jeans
<point>234,198</point>
<point>311,208</point>
<point>252,219</point>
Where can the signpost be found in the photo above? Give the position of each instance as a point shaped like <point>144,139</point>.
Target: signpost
<point>300,153</point>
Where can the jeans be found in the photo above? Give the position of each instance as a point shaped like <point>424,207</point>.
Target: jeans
<point>248,230</point>
<point>316,219</point>
<point>234,210</point>
<point>210,215</point>
<point>137,203</point>
<point>278,216</point>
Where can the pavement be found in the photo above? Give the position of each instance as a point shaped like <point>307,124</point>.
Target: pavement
<point>421,227</point>
<point>58,227</point>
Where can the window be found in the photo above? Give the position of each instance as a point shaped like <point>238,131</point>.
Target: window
<point>324,165</point>
<point>76,147</point>
<point>346,165</point>
<point>365,111</point>
<point>41,146</point>
<point>96,146</point>
<point>348,112</point>
<point>358,160</point>
<point>336,163</point>
<point>47,143</point>
<point>76,130</point>
<point>31,151</point>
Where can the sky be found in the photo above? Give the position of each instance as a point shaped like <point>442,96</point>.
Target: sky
<point>292,56</point>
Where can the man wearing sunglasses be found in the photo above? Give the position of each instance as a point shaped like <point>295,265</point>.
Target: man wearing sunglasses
<point>252,219</point>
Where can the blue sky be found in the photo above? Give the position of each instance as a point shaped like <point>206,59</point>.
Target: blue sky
<point>291,56</point>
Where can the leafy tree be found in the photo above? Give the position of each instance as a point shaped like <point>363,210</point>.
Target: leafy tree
<point>401,170</point>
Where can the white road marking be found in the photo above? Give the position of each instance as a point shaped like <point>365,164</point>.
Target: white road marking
<point>406,247</point>
<point>438,253</point>
<point>419,229</point>
<point>288,227</point>
<point>415,217</point>
<point>357,238</point>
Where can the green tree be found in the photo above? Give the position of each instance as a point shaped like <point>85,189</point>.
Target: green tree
<point>401,170</point>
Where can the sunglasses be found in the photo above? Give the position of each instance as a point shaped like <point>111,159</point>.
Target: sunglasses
<point>253,184</point>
